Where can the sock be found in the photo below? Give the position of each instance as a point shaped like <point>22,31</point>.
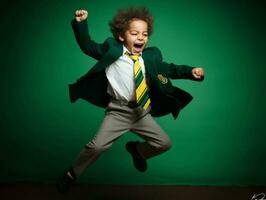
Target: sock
<point>70,176</point>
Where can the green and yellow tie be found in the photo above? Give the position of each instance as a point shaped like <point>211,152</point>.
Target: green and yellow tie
<point>142,96</point>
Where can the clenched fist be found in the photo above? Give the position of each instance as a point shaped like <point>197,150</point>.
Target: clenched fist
<point>81,15</point>
<point>198,73</point>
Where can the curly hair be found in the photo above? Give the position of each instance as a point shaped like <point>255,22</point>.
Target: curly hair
<point>120,22</point>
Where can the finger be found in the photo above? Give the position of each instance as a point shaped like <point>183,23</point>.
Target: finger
<point>84,12</point>
<point>78,12</point>
<point>197,72</point>
<point>197,77</point>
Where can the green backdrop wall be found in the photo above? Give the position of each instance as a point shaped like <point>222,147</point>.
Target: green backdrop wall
<point>219,139</point>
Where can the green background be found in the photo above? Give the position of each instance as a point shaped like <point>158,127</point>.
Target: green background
<point>219,139</point>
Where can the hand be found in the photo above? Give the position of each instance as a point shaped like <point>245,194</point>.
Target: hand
<point>81,15</point>
<point>198,72</point>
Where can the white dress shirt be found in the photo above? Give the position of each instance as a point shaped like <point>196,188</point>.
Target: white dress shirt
<point>120,75</point>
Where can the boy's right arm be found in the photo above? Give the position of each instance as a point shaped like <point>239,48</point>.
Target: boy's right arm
<point>88,46</point>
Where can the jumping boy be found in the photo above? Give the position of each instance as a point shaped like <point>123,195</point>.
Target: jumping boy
<point>132,83</point>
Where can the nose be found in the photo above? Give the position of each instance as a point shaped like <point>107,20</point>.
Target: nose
<point>140,37</point>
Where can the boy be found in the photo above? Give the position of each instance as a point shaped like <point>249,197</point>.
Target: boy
<point>132,83</point>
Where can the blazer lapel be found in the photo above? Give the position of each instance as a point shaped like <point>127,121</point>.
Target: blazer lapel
<point>110,56</point>
<point>147,63</point>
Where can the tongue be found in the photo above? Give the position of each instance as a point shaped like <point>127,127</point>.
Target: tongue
<point>137,49</point>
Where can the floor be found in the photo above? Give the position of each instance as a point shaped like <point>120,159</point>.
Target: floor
<point>123,192</point>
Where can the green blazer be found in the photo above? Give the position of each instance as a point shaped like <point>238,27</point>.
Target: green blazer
<point>92,87</point>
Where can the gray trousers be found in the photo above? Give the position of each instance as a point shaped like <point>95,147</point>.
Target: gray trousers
<point>118,120</point>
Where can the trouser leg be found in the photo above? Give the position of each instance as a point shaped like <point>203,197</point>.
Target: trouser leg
<point>114,124</point>
<point>157,141</point>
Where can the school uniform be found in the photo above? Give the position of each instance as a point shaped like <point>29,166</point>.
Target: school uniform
<point>108,84</point>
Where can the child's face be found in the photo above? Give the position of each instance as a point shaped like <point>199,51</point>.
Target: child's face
<point>136,36</point>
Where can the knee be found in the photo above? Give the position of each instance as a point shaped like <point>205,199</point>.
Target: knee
<point>165,145</point>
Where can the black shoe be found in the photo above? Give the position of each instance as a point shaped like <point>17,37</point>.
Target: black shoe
<point>64,183</point>
<point>139,162</point>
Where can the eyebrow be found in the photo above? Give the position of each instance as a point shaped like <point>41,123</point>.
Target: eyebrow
<point>138,31</point>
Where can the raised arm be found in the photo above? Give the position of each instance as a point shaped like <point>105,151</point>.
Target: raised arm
<point>86,44</point>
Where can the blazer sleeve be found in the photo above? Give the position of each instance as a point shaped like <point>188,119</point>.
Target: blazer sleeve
<point>86,44</point>
<point>174,71</point>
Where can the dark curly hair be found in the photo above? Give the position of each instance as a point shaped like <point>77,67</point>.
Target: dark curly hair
<point>120,22</point>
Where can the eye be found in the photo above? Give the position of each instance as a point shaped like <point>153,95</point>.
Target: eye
<point>145,34</point>
<point>134,33</point>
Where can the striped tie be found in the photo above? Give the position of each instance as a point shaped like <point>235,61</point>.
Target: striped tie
<point>142,96</point>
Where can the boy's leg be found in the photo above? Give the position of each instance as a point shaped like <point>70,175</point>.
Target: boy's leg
<point>116,122</point>
<point>157,141</point>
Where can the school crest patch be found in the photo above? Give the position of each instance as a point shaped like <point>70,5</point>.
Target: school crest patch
<point>162,78</point>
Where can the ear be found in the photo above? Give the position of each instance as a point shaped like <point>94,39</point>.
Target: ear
<point>121,38</point>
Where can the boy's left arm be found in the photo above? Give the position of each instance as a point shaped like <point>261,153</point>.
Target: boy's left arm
<point>174,71</point>
<point>183,71</point>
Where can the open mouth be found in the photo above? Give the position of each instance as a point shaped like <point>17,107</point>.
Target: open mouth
<point>138,46</point>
